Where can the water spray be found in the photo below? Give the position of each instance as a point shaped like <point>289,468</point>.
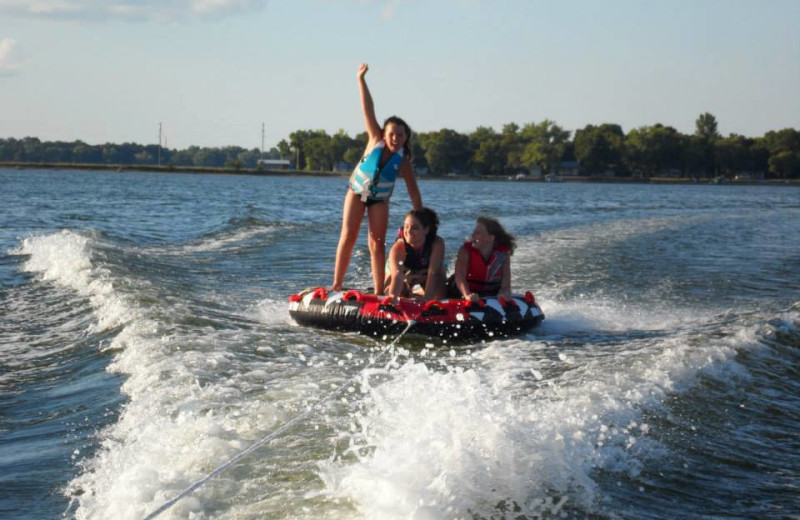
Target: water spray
<point>277,432</point>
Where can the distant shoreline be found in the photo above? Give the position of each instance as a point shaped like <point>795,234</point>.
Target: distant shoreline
<point>321,173</point>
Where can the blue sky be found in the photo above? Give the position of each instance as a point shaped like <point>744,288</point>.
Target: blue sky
<point>213,70</point>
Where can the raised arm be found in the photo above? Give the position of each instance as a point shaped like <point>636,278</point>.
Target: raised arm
<point>367,106</point>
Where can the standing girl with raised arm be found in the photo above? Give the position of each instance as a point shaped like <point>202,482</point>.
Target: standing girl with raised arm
<point>388,154</point>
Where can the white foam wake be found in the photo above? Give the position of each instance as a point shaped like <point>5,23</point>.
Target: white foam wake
<point>182,412</point>
<point>521,428</point>
<point>65,259</point>
<point>218,243</point>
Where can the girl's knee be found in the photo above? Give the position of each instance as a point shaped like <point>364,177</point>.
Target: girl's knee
<point>376,242</point>
<point>347,240</point>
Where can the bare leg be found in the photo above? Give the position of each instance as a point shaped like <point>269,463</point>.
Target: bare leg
<point>352,215</point>
<point>378,220</point>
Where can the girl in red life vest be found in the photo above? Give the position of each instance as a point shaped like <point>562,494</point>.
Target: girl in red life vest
<point>483,265</point>
<point>387,156</point>
<point>417,258</point>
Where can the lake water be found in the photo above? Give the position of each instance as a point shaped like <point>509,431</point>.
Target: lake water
<point>145,341</point>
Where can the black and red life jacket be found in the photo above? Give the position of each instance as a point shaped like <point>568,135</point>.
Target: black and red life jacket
<point>484,277</point>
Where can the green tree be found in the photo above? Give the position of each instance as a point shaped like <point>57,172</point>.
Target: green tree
<point>298,141</point>
<point>786,140</point>
<point>6,150</point>
<point>54,152</point>
<point>285,150</point>
<point>30,149</point>
<point>706,127</point>
<point>341,143</point>
<point>650,150</point>
<point>111,154</point>
<point>600,148</point>
<point>703,147</point>
<point>127,151</point>
<point>488,156</point>
<point>511,147</point>
<point>209,157</point>
<point>544,145</point>
<point>355,151</point>
<point>735,154</point>
<point>185,157</point>
<point>86,154</point>
<point>446,151</point>
<point>318,152</point>
<point>233,164</point>
<point>247,158</point>
<point>417,153</point>
<point>693,156</point>
<point>783,146</point>
<point>144,157</point>
<point>785,165</point>
<point>352,156</point>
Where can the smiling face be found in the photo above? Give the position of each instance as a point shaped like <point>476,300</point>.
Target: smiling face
<point>414,232</point>
<point>395,136</point>
<point>481,238</point>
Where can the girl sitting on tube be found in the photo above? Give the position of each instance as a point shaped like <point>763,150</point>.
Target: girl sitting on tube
<point>416,260</point>
<point>483,264</point>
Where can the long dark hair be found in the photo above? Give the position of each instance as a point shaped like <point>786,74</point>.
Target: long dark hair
<point>427,217</point>
<point>397,121</point>
<point>501,236</point>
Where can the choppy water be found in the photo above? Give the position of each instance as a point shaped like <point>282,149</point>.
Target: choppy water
<point>145,340</point>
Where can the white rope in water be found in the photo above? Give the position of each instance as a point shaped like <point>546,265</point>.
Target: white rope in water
<point>275,433</point>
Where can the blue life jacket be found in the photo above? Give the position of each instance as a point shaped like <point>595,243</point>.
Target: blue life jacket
<point>370,181</point>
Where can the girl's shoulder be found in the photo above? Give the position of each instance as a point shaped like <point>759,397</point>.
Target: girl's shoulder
<point>438,245</point>
<point>398,247</point>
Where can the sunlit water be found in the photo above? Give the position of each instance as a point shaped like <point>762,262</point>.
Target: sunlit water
<point>145,341</point>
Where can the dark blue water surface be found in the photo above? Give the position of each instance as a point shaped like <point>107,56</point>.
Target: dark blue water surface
<point>145,341</point>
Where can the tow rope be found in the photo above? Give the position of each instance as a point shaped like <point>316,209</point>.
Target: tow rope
<point>275,433</point>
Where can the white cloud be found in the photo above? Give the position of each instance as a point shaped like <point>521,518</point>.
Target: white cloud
<point>8,59</point>
<point>164,10</point>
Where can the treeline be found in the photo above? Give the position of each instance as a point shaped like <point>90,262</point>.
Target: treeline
<point>546,147</point>
<point>543,148</point>
<point>32,150</point>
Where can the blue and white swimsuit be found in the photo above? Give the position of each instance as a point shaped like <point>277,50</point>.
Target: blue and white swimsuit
<point>375,184</point>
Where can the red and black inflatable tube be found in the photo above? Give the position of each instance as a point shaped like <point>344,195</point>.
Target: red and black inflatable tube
<point>454,320</point>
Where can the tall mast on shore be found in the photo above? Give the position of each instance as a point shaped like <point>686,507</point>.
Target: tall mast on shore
<point>159,143</point>
<point>262,141</point>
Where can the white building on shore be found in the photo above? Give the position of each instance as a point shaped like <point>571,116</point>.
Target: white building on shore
<point>275,164</point>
